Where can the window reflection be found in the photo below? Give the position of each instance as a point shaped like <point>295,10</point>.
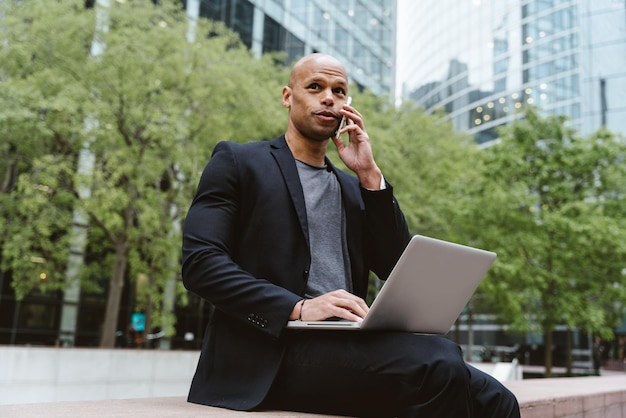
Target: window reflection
<point>501,56</point>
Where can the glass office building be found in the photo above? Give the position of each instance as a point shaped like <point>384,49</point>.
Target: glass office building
<point>484,60</point>
<point>361,33</point>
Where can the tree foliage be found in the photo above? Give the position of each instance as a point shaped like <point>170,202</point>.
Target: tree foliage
<point>551,205</point>
<point>148,109</point>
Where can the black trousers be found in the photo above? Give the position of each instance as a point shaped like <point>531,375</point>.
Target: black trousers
<point>384,374</point>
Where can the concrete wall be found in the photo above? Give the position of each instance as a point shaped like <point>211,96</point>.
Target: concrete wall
<point>39,374</point>
<point>36,374</point>
<point>36,382</point>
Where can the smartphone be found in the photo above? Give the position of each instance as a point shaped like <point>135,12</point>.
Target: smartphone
<point>343,119</point>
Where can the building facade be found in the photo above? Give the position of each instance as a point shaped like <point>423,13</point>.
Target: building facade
<point>360,33</point>
<point>482,61</point>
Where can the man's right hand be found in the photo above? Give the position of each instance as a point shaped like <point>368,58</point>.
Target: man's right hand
<point>338,303</point>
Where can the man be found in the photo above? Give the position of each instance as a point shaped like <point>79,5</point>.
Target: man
<point>277,233</point>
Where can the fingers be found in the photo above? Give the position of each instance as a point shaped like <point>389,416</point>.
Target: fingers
<point>356,153</point>
<point>338,303</point>
<point>338,143</point>
<point>353,122</point>
<point>353,119</point>
<point>351,113</point>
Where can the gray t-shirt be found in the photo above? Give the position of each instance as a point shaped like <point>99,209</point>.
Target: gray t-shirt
<point>330,264</point>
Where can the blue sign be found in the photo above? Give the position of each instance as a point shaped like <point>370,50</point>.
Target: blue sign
<point>138,321</point>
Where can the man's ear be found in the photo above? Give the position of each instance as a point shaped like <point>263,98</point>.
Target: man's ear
<point>287,97</point>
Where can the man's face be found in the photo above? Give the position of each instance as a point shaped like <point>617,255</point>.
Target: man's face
<point>317,90</point>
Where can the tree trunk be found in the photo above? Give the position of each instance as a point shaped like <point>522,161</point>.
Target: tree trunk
<point>116,285</point>
<point>548,335</point>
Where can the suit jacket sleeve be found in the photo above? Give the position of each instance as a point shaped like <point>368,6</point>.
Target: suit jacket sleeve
<point>387,231</point>
<point>210,244</point>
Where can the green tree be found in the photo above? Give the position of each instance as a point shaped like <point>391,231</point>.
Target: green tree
<point>149,109</point>
<point>40,126</point>
<point>551,205</point>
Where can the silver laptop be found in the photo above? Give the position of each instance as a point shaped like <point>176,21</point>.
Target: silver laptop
<point>426,291</point>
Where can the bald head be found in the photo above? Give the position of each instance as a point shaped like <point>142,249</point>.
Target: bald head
<point>314,61</point>
<point>317,91</point>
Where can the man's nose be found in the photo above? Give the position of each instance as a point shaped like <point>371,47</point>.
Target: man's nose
<point>328,98</point>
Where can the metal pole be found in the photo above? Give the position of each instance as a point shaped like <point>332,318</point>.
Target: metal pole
<point>78,234</point>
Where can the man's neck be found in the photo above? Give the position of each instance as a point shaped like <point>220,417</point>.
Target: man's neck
<point>306,150</point>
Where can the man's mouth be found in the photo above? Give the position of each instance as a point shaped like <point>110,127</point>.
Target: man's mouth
<point>328,115</point>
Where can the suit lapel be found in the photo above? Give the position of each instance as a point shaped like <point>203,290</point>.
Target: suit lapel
<point>284,158</point>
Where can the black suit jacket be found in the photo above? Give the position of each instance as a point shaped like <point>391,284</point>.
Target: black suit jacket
<point>246,250</point>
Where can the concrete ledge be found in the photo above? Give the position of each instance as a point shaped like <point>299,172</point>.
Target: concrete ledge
<point>579,397</point>
<point>572,397</point>
<point>51,375</point>
<point>171,407</point>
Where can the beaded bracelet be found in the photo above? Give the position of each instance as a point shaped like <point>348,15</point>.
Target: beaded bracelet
<point>301,305</point>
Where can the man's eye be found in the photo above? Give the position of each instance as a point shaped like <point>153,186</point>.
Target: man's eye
<point>339,90</point>
<point>314,86</point>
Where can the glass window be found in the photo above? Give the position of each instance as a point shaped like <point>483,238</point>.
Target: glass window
<point>342,40</point>
<point>215,9</point>
<point>236,14</point>
<point>294,48</point>
<point>273,36</point>
<point>243,21</point>
<point>298,8</point>
<point>500,66</point>
<point>40,316</point>
<point>321,23</point>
